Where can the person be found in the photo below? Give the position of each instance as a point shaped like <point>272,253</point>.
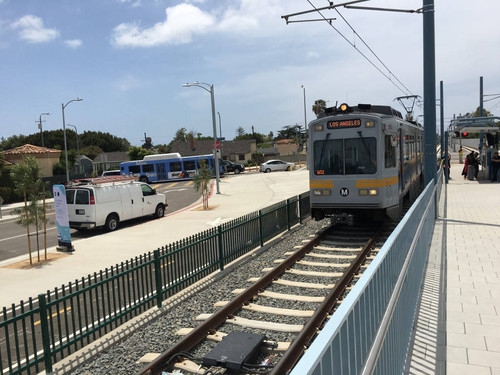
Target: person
<point>495,166</point>
<point>468,161</point>
<point>476,164</point>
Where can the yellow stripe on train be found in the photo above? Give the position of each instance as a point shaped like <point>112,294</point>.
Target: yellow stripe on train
<point>377,183</point>
<point>320,184</point>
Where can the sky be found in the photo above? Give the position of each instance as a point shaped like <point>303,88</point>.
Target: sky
<point>128,61</point>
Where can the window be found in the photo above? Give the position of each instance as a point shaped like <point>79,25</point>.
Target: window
<point>241,157</point>
<point>148,168</point>
<point>82,197</point>
<point>70,196</point>
<point>175,166</point>
<point>345,156</point>
<point>389,152</point>
<point>189,165</point>
<point>147,190</point>
<point>134,169</point>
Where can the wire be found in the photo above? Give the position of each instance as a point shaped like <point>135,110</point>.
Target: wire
<point>361,53</point>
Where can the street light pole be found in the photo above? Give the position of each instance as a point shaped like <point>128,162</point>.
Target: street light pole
<point>40,125</point>
<point>210,89</point>
<point>77,147</point>
<point>64,131</point>
<point>305,117</point>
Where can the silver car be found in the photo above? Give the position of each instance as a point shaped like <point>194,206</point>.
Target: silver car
<point>276,165</point>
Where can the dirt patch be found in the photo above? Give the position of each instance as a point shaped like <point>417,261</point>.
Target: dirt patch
<point>25,264</point>
<point>202,209</point>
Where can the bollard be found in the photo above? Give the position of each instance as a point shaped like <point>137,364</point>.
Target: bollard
<point>461,156</point>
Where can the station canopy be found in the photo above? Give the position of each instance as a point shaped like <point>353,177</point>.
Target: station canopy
<point>476,125</point>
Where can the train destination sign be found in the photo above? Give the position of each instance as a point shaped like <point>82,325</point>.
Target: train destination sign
<point>343,124</point>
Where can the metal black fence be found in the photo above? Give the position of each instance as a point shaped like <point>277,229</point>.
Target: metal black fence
<point>36,334</point>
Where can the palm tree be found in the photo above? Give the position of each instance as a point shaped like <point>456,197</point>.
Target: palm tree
<point>319,106</point>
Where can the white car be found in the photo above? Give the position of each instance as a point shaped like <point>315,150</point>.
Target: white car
<point>276,165</point>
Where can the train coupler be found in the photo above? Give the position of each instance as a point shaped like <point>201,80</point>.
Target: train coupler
<point>347,219</point>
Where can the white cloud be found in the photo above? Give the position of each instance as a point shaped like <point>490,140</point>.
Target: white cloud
<point>182,22</point>
<point>32,30</point>
<point>73,43</point>
<point>127,83</point>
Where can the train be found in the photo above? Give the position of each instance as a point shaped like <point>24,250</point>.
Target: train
<point>364,162</point>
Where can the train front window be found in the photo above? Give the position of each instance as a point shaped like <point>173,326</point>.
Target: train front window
<point>345,156</point>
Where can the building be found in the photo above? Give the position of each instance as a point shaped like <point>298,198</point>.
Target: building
<point>46,157</point>
<point>106,161</point>
<point>235,151</point>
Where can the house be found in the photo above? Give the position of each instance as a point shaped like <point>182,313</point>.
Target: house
<point>46,157</point>
<point>289,147</point>
<point>236,151</point>
<point>106,161</point>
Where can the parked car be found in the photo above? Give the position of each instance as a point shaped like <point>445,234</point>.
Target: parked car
<point>276,165</point>
<point>229,166</point>
<point>115,172</point>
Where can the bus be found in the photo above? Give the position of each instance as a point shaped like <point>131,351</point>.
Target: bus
<point>166,167</point>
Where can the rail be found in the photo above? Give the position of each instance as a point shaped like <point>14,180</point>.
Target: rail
<point>46,329</point>
<point>368,325</point>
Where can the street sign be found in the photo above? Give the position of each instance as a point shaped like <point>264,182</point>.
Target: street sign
<point>217,145</point>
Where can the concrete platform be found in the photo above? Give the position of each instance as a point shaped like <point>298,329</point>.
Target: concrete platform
<point>240,195</point>
<point>458,327</point>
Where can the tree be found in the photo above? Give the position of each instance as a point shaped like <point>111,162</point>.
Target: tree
<point>138,153</point>
<point>240,132</point>
<point>91,151</point>
<point>27,178</point>
<point>201,181</point>
<point>318,106</point>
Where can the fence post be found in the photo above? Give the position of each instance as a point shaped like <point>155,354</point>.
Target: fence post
<point>300,209</point>
<point>159,293</point>
<point>261,229</point>
<point>221,253</point>
<point>44,324</point>
<point>288,214</point>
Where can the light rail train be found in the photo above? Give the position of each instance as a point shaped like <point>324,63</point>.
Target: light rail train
<point>364,161</point>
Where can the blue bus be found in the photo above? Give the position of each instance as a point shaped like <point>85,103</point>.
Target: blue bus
<point>166,167</point>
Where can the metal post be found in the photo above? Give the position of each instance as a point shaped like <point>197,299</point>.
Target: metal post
<point>64,131</point>
<point>77,147</point>
<point>481,134</point>
<point>45,333</point>
<point>441,111</point>
<point>65,145</point>
<point>446,160</point>
<point>429,92</point>
<point>305,117</point>
<point>158,283</point>
<point>40,126</point>
<point>217,172</point>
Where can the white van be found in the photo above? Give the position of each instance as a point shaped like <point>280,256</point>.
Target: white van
<point>106,201</point>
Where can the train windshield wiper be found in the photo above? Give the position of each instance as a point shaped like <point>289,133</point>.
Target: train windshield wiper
<point>367,149</point>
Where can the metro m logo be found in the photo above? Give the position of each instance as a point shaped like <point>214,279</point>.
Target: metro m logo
<point>344,192</point>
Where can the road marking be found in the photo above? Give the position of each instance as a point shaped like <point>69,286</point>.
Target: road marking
<point>54,315</point>
<point>23,235</point>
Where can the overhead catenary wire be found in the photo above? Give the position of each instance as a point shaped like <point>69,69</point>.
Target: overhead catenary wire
<point>401,88</point>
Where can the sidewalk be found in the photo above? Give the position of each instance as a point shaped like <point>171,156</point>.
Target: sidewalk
<point>240,195</point>
<point>458,327</point>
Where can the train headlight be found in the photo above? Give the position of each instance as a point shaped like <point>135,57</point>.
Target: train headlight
<point>322,192</point>
<point>368,192</point>
<point>318,128</point>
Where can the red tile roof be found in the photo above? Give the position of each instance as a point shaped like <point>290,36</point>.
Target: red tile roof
<point>30,149</point>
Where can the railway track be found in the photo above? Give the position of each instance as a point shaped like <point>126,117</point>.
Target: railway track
<point>280,313</point>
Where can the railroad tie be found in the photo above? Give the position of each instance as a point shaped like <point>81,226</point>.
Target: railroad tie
<point>257,324</point>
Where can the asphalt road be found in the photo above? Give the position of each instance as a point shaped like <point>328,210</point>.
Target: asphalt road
<point>14,240</point>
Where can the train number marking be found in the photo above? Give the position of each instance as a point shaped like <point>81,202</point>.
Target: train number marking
<point>344,192</point>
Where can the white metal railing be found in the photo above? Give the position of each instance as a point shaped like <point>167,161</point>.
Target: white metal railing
<point>370,331</point>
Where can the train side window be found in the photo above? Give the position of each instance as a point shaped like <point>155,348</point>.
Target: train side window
<point>390,153</point>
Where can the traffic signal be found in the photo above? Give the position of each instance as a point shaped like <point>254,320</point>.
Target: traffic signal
<point>464,135</point>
